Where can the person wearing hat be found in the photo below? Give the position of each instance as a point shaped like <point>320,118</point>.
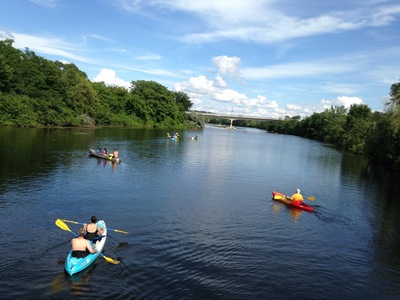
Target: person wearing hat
<point>297,197</point>
<point>80,246</point>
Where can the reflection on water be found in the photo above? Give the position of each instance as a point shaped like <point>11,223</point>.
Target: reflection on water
<point>200,215</point>
<point>294,212</point>
<point>75,284</point>
<point>105,163</point>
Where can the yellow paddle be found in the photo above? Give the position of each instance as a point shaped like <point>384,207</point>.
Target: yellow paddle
<point>65,227</point>
<point>108,228</point>
<point>277,197</point>
<point>109,259</point>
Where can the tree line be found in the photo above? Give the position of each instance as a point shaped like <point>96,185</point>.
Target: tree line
<point>373,134</point>
<point>35,91</point>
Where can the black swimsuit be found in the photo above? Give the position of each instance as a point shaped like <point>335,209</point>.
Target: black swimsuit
<point>79,253</point>
<point>91,235</point>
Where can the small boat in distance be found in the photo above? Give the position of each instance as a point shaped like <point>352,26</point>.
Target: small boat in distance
<point>196,137</point>
<point>104,156</point>
<point>173,137</point>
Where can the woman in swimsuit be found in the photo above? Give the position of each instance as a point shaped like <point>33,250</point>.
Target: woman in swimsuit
<point>92,231</point>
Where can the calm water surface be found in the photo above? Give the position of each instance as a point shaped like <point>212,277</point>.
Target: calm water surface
<point>201,220</point>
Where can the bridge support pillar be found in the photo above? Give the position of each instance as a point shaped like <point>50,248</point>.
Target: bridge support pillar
<point>231,125</point>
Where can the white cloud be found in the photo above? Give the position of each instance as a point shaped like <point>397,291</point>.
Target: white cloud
<point>151,71</point>
<point>293,107</point>
<point>109,77</point>
<point>208,95</point>
<point>385,15</point>
<point>347,101</point>
<point>227,65</point>
<point>229,96</point>
<point>219,81</point>
<point>46,45</point>
<point>267,22</point>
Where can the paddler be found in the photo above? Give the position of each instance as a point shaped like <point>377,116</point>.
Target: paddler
<point>80,246</point>
<point>115,154</point>
<point>297,197</point>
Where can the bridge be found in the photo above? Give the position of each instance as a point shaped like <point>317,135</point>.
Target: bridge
<point>232,117</point>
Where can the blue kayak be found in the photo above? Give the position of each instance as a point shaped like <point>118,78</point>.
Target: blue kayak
<point>74,265</point>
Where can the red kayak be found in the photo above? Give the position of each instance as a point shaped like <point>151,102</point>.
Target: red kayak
<point>282,198</point>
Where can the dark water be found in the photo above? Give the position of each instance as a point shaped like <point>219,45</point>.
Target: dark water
<point>201,219</point>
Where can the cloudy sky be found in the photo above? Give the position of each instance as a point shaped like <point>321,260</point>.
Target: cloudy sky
<point>250,57</point>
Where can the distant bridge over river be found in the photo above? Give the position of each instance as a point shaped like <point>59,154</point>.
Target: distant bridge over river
<point>232,117</point>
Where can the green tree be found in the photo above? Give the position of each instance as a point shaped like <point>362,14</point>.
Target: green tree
<point>384,138</point>
<point>326,126</point>
<point>395,94</point>
<point>357,127</point>
<point>183,101</point>
<point>5,74</point>
<point>36,91</point>
<point>161,106</point>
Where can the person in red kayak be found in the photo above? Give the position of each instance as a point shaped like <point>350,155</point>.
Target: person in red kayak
<point>297,197</point>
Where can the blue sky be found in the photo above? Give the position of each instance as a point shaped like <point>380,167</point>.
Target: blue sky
<point>251,57</point>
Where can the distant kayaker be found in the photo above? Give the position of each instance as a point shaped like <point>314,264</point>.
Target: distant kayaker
<point>92,230</point>
<point>115,153</point>
<point>100,150</point>
<point>80,246</point>
<point>105,152</point>
<point>297,197</point>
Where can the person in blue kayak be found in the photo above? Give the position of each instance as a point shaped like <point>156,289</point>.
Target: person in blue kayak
<point>297,197</point>
<point>80,246</point>
<point>92,230</point>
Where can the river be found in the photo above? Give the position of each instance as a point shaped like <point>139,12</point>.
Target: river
<point>201,220</point>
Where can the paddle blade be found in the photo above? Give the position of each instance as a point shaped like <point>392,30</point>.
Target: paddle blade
<point>73,222</point>
<point>109,259</point>
<point>120,231</point>
<point>62,225</point>
<point>278,197</point>
<point>311,198</point>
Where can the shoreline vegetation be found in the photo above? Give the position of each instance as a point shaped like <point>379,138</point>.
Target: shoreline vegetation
<point>36,92</point>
